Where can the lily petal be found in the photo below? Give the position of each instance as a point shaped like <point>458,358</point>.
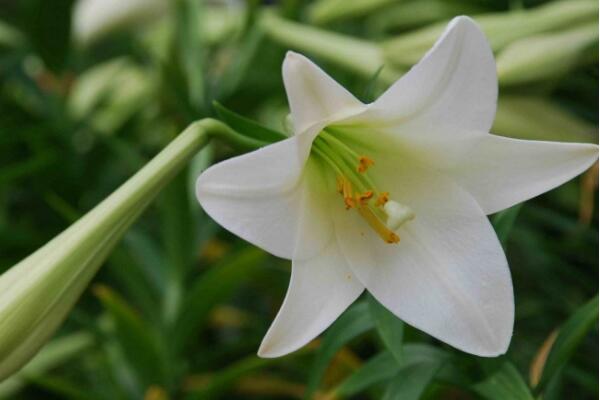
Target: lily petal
<point>313,95</point>
<point>270,197</point>
<point>320,289</point>
<point>501,172</point>
<point>448,276</point>
<point>454,85</point>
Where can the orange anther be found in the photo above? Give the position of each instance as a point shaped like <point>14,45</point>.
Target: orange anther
<point>349,202</point>
<point>364,163</point>
<point>363,198</point>
<point>340,185</point>
<point>382,198</point>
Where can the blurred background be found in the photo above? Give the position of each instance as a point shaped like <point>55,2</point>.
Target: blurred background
<point>90,90</point>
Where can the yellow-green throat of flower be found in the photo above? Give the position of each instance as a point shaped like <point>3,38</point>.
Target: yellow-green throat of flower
<point>353,183</point>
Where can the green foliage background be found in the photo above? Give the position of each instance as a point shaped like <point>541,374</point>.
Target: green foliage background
<point>180,307</point>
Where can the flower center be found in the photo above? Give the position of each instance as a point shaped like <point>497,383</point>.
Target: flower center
<point>357,189</point>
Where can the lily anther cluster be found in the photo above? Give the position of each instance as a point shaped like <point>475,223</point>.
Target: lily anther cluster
<point>358,190</point>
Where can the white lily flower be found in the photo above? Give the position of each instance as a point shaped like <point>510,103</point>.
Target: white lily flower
<point>392,197</point>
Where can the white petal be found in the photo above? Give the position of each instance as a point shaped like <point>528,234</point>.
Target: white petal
<point>448,275</point>
<point>500,172</point>
<point>270,197</point>
<point>320,289</point>
<point>313,95</point>
<point>455,84</point>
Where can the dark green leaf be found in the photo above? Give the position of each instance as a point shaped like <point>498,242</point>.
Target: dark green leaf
<point>414,353</point>
<point>355,321</point>
<point>369,94</point>
<point>55,353</point>
<point>191,50</point>
<point>63,388</point>
<point>138,341</point>
<point>221,381</point>
<point>503,222</point>
<point>246,126</point>
<point>213,287</point>
<point>385,366</point>
<point>505,383</point>
<point>379,368</point>
<point>50,30</point>
<point>411,381</point>
<point>236,71</point>
<point>569,337</point>
<point>389,327</point>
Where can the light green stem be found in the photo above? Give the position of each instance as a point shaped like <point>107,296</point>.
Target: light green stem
<point>361,56</point>
<point>37,294</point>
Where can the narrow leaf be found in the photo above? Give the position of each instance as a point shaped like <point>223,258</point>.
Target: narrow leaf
<point>504,221</point>
<point>57,352</point>
<point>569,337</point>
<point>246,126</point>
<point>385,366</point>
<point>389,327</point>
<point>504,383</point>
<point>138,341</point>
<point>379,368</point>
<point>355,321</point>
<point>213,287</point>
<point>411,381</point>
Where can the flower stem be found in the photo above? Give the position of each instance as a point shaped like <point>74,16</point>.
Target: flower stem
<point>37,294</point>
<point>361,56</point>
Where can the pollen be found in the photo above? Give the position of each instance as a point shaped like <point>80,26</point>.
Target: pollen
<point>364,163</point>
<point>382,199</point>
<point>363,198</point>
<point>354,184</point>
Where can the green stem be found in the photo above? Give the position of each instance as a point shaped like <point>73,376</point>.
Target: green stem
<point>37,294</point>
<point>361,56</point>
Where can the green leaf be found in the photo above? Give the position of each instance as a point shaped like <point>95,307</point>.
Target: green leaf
<point>569,337</point>
<point>385,366</point>
<point>191,50</point>
<point>504,383</point>
<point>246,126</point>
<point>64,388</point>
<point>389,327</point>
<point>222,380</point>
<point>179,241</point>
<point>504,221</point>
<point>379,368</point>
<point>237,70</point>
<point>414,353</point>
<point>369,94</point>
<point>355,321</point>
<point>138,341</point>
<point>213,287</point>
<point>50,30</point>
<point>56,353</point>
<point>411,381</point>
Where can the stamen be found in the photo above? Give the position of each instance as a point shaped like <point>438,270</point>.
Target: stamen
<point>340,185</point>
<point>347,193</point>
<point>382,199</point>
<point>363,198</point>
<point>357,189</point>
<point>386,234</point>
<point>364,163</point>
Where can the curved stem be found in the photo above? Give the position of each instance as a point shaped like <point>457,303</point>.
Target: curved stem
<point>37,294</point>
